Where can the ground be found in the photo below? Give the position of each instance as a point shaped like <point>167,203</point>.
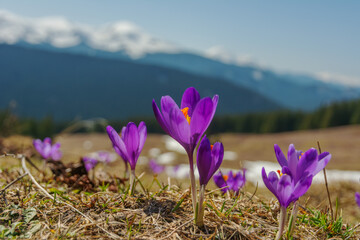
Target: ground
<point>157,212</point>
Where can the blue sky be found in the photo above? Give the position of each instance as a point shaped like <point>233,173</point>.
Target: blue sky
<point>317,37</point>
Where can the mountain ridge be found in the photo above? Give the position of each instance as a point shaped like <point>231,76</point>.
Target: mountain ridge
<point>68,85</point>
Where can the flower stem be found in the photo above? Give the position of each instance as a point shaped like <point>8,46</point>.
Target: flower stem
<point>281,222</point>
<point>126,173</point>
<point>193,183</point>
<point>132,181</point>
<point>292,221</point>
<point>200,215</point>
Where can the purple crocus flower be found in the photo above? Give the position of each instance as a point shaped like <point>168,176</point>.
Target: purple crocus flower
<point>46,150</point>
<point>231,181</point>
<point>220,181</point>
<point>130,143</point>
<point>301,164</point>
<point>156,168</point>
<point>236,180</point>
<point>357,198</point>
<point>285,189</point>
<point>209,159</point>
<point>89,163</point>
<point>189,122</point>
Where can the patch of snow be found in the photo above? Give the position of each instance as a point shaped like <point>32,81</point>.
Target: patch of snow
<point>181,172</point>
<point>154,152</point>
<point>172,145</point>
<point>230,156</point>
<point>166,158</point>
<point>142,160</point>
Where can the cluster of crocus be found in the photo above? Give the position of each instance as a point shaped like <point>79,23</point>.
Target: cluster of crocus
<point>187,124</point>
<point>129,144</point>
<point>47,150</point>
<point>209,159</point>
<point>231,181</point>
<point>295,177</point>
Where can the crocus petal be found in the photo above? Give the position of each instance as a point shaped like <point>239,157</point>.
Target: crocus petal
<point>217,154</point>
<point>190,98</point>
<point>118,151</point>
<point>239,180</point>
<point>159,117</point>
<point>122,132</point>
<point>47,140</point>
<point>56,154</point>
<point>280,156</point>
<point>215,101</point>
<point>285,190</point>
<point>323,160</point>
<point>118,142</point>
<point>286,170</point>
<point>307,164</point>
<point>113,135</point>
<point>271,181</point>
<point>201,118</point>
<point>131,141</point>
<point>303,185</point>
<point>357,198</point>
<point>204,160</point>
<point>180,127</point>
<point>142,136</point>
<point>156,168</point>
<point>46,151</point>
<point>220,182</point>
<point>293,159</point>
<point>89,163</point>
<point>38,145</point>
<point>167,104</point>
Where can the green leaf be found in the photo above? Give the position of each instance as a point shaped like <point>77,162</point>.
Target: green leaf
<point>14,226</point>
<point>34,227</point>
<point>29,214</point>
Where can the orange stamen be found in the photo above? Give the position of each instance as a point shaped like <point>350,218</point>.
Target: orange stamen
<point>225,177</point>
<point>279,172</point>
<point>211,146</point>
<point>185,112</point>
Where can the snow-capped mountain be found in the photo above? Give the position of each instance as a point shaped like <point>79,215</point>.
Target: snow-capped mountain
<point>61,33</point>
<point>126,41</point>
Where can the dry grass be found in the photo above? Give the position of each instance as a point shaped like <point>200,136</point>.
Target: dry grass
<point>156,212</point>
<point>149,215</point>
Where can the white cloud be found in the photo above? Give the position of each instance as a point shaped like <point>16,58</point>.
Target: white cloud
<point>61,33</point>
<point>338,78</point>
